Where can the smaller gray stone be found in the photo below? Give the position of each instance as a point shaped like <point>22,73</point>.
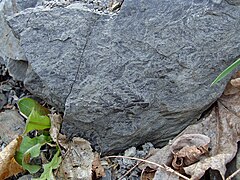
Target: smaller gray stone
<point>131,152</point>
<point>17,69</point>
<point>147,146</point>
<point>3,100</point>
<point>5,87</point>
<point>12,124</point>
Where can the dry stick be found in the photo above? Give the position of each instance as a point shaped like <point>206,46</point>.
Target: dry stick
<point>150,162</point>
<point>233,174</point>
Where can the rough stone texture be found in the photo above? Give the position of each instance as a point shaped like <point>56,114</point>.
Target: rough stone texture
<point>234,2</point>
<point>140,75</point>
<point>12,125</point>
<point>11,52</point>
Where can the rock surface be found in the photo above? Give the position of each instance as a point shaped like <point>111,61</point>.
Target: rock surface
<point>12,124</point>
<point>142,74</point>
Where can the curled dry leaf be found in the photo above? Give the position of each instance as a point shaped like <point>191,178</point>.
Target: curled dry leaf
<point>77,163</point>
<point>188,149</point>
<point>56,121</point>
<point>188,140</point>
<point>8,165</point>
<point>97,168</point>
<point>223,128</point>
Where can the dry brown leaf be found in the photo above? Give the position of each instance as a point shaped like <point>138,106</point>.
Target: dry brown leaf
<point>230,89</point>
<point>60,139</point>
<point>77,163</point>
<point>97,168</point>
<point>56,121</point>
<point>232,103</point>
<point>217,162</point>
<point>63,141</point>
<point>148,174</point>
<point>233,86</point>
<point>223,128</point>
<point>163,174</point>
<point>188,149</point>
<point>235,82</point>
<point>188,140</point>
<point>8,165</point>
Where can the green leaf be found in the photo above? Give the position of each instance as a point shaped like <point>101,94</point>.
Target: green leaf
<point>226,71</point>
<point>48,168</point>
<point>31,153</point>
<point>37,122</point>
<point>26,105</point>
<point>27,143</point>
<point>30,148</point>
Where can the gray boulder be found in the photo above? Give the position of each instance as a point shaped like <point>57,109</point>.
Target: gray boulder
<point>142,74</point>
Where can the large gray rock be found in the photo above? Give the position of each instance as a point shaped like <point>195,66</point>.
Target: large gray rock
<point>143,74</point>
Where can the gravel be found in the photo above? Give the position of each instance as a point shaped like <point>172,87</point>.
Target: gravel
<point>120,168</point>
<point>10,90</point>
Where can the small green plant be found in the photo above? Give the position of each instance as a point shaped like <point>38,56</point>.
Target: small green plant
<point>30,148</point>
<point>226,71</point>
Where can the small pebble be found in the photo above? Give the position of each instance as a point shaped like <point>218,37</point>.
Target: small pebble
<point>3,100</point>
<point>130,152</point>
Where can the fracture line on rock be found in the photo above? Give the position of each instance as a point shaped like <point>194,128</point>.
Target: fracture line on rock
<point>78,68</point>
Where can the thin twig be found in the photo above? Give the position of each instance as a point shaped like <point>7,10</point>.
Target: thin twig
<point>233,174</point>
<point>150,162</point>
<point>131,169</point>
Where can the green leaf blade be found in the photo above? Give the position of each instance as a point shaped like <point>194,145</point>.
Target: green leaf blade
<point>226,71</point>
<point>48,168</point>
<point>27,145</point>
<point>32,168</point>
<point>26,105</point>
<point>35,121</point>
